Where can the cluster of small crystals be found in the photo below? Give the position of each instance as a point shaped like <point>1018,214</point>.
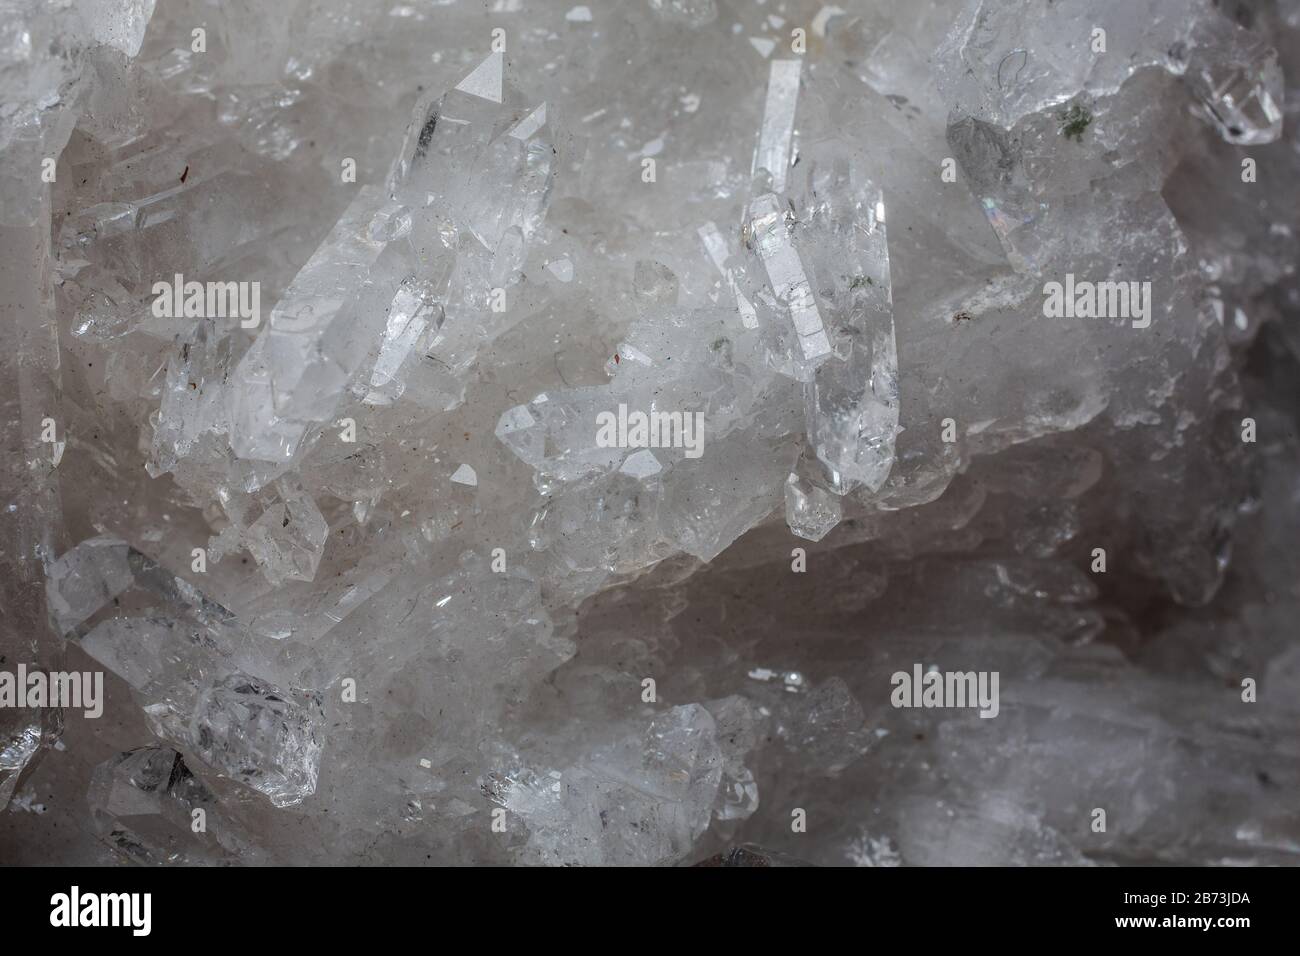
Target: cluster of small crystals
<point>366,583</point>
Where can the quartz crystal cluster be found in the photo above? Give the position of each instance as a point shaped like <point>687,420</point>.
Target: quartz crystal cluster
<point>535,433</point>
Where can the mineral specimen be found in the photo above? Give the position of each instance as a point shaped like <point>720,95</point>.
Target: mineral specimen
<point>543,434</point>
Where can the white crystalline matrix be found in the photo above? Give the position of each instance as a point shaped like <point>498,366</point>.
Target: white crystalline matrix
<point>541,433</point>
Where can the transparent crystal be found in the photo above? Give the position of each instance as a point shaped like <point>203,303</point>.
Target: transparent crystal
<point>148,806</point>
<point>84,579</point>
<point>810,511</point>
<point>370,566</point>
<point>253,732</point>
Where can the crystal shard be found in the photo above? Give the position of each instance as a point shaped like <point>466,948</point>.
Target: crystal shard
<point>253,732</point>
<point>295,373</point>
<point>803,343</point>
<point>145,805</point>
<point>777,132</point>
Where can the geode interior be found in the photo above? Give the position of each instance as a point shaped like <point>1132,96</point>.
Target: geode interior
<point>533,433</point>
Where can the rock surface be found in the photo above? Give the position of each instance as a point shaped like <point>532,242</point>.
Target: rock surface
<point>549,435</point>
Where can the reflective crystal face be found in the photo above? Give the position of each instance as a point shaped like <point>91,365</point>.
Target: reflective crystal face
<point>649,433</point>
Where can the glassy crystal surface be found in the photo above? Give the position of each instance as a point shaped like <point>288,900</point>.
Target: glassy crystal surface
<point>149,808</point>
<point>545,433</point>
<point>20,742</point>
<point>252,731</point>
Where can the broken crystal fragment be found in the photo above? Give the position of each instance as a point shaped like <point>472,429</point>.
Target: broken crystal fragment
<point>852,403</point>
<point>777,132</point>
<point>642,799</point>
<point>1004,61</point>
<point>21,733</point>
<point>84,579</point>
<point>287,539</point>
<point>788,306</point>
<point>720,254</point>
<point>810,511</point>
<point>456,158</point>
<point>414,310</point>
<point>557,435</point>
<point>295,373</point>
<point>252,731</point>
<point>1237,80</point>
<point>193,400</point>
<point>147,805</point>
